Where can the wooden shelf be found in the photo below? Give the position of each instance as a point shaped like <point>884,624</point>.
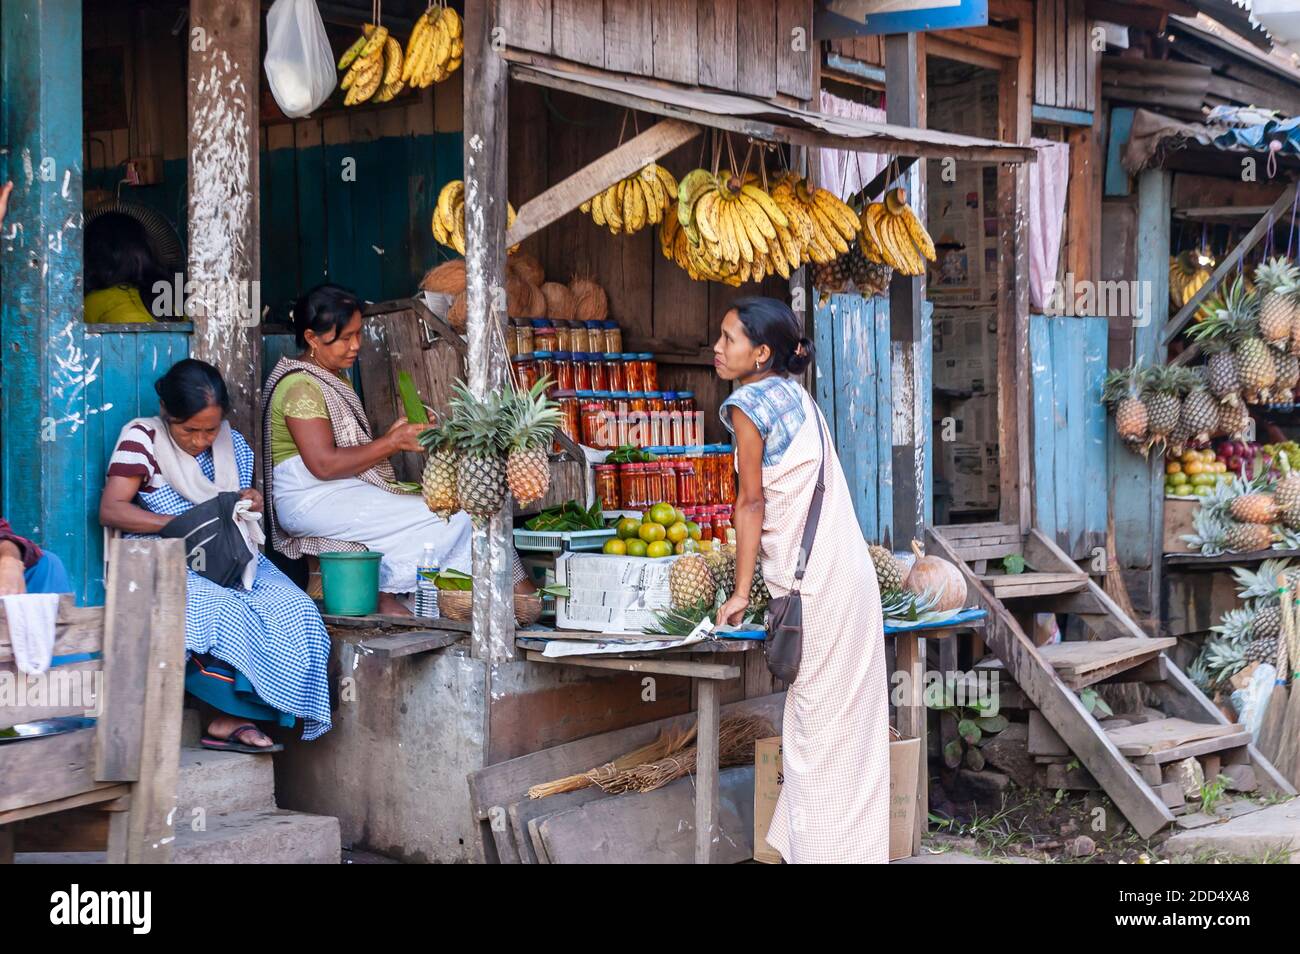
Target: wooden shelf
<point>1193,561</point>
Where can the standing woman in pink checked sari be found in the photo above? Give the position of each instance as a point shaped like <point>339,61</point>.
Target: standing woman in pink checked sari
<point>834,802</point>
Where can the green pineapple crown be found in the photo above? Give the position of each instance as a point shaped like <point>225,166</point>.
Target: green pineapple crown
<point>532,418</point>
<point>477,427</point>
<point>1230,318</point>
<point>1236,625</point>
<point>1122,383</point>
<point>437,438</point>
<point>1261,583</point>
<point>1278,276</point>
<point>1169,379</point>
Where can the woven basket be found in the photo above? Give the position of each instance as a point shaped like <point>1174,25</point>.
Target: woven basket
<point>455,604</point>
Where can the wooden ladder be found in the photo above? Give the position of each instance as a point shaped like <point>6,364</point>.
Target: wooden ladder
<point>1125,762</point>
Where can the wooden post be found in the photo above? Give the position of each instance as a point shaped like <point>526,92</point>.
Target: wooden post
<point>485,254</point>
<point>46,372</point>
<point>224,262</point>
<point>902,83</point>
<point>1137,491</point>
<point>706,776</point>
<point>909,660</point>
<point>1015,105</point>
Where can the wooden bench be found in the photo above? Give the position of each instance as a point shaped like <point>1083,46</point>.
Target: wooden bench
<point>115,778</point>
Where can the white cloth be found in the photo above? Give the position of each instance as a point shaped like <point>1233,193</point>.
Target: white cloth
<point>181,470</point>
<point>31,618</point>
<point>395,525</point>
<point>1048,181</point>
<point>840,171</point>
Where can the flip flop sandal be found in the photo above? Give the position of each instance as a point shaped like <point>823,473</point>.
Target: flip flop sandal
<point>232,744</point>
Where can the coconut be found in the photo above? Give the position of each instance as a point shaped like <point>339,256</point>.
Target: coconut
<point>528,268</point>
<point>519,297</point>
<point>931,574</point>
<point>446,279</point>
<point>456,315</point>
<point>593,304</point>
<point>559,301</point>
<point>537,307</point>
<point>581,285</point>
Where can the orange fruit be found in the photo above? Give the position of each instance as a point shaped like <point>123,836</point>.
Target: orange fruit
<point>663,513</point>
<point>678,532</point>
<point>616,547</point>
<point>1173,467</point>
<point>660,548</point>
<point>694,530</point>
<point>627,528</point>
<point>636,547</point>
<point>652,532</point>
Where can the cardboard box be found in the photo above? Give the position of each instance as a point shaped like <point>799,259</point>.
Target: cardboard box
<point>904,769</point>
<point>1179,515</point>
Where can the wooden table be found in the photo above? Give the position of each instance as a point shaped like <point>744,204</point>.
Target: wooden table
<point>909,658</point>
<point>690,661</point>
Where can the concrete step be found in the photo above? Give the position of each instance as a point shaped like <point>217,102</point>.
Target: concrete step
<point>1268,831</point>
<point>220,783</point>
<point>191,728</point>
<point>268,836</point>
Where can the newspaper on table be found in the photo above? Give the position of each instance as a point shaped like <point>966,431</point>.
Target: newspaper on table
<point>611,594</point>
<point>704,629</point>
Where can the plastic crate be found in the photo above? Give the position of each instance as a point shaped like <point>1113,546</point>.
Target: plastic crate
<point>563,541</point>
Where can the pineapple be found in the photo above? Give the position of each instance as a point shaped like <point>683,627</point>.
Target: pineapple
<point>1222,661</point>
<point>1288,376</point>
<point>1165,389</point>
<point>438,483</point>
<point>1200,413</point>
<point>1278,280</point>
<point>889,572</point>
<point>1260,650</point>
<point>1261,582</point>
<point>1248,537</point>
<point>1122,390</point>
<point>478,430</point>
<point>1254,505</point>
<point>1215,333</point>
<point>759,596</point>
<point>690,582</point>
<point>1255,364</point>
<point>1287,490</point>
<point>532,419</point>
<point>1234,421</point>
<point>722,564</point>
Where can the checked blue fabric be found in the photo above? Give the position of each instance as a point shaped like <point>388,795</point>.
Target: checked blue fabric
<point>273,633</point>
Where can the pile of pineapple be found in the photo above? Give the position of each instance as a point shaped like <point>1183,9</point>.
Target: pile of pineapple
<point>1170,408</point>
<point>1249,633</point>
<point>699,583</point>
<point>1248,515</point>
<point>489,447</point>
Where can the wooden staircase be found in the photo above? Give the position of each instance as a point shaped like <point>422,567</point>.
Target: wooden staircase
<point>1126,762</point>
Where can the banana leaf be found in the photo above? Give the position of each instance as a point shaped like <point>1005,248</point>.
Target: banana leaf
<point>411,403</point>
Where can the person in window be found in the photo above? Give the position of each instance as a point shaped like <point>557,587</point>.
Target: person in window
<point>329,484</point>
<point>254,655</point>
<point>834,802</point>
<point>121,272</point>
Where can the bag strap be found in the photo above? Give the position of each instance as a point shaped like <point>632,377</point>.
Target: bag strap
<point>814,508</point>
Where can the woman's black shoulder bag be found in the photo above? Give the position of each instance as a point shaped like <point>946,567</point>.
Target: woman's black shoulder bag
<point>784,643</point>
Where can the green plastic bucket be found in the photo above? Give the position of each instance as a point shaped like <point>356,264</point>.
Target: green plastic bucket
<point>350,582</point>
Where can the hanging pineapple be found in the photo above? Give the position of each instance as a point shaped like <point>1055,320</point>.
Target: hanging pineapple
<point>1234,422</point>
<point>1165,387</point>
<point>1287,492</point>
<point>532,419</point>
<point>1278,281</point>
<point>438,482</point>
<point>1227,320</point>
<point>478,428</point>
<point>1121,390</point>
<point>1248,517</point>
<point>1200,411</point>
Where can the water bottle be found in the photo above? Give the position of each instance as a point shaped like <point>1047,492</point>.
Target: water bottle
<point>426,591</point>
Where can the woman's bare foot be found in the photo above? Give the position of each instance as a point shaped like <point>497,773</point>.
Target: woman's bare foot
<point>390,605</point>
<point>223,725</point>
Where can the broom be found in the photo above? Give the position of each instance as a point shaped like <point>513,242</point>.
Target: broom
<point>668,742</point>
<point>736,738</point>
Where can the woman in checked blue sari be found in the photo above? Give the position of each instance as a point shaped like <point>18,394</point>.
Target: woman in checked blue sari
<point>256,654</point>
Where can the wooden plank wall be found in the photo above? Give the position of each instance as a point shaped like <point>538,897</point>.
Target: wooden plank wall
<point>854,390</point>
<point>864,49</point>
<point>759,47</point>
<point>1065,67</point>
<point>1068,357</point>
<point>658,307</point>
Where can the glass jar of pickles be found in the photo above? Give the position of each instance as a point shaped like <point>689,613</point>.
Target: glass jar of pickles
<point>607,487</point>
<point>523,329</point>
<point>612,336</point>
<point>659,432</point>
<point>570,414</point>
<point>599,373</point>
<point>544,335</point>
<point>545,364</point>
<point>649,371</point>
<point>621,415</point>
<point>524,369</point>
<point>613,365</point>
<point>563,334</point>
<point>581,372</point>
<point>564,375</point>
<point>632,371</point>
<point>685,473</point>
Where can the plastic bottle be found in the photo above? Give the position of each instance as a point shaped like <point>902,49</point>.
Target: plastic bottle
<point>426,591</point>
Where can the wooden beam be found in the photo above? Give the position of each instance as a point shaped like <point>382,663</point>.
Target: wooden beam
<point>992,40</point>
<point>1128,14</point>
<point>223,227</point>
<point>565,196</point>
<point>1261,228</point>
<point>95,796</point>
<point>485,161</point>
<point>1015,98</point>
<point>964,54</point>
<point>1087,163</point>
<point>1011,9</point>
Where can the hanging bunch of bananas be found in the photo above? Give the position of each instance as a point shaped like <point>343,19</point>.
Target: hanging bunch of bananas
<point>631,204</point>
<point>891,233</point>
<point>449,216</point>
<point>733,229</point>
<point>373,64</point>
<point>1188,271</point>
<point>825,224</point>
<point>435,48</point>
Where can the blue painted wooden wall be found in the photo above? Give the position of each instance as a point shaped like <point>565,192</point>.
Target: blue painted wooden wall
<point>1068,358</point>
<point>854,389</point>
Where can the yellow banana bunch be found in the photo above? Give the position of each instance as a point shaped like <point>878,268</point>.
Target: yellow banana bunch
<point>449,216</point>
<point>890,233</point>
<point>366,64</point>
<point>435,48</point>
<point>1188,271</point>
<point>823,224</point>
<point>631,204</point>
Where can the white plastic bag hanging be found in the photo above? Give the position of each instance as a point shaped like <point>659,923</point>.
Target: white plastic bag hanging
<point>299,61</point>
